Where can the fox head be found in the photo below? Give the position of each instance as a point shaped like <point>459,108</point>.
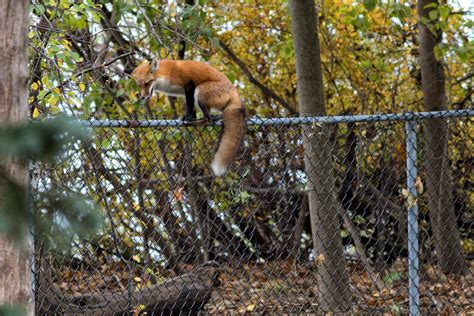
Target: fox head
<point>144,75</point>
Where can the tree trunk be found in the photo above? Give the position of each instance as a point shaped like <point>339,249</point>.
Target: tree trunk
<point>334,290</point>
<point>438,178</point>
<point>15,273</point>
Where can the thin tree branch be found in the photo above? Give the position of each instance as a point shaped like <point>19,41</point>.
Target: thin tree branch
<point>269,92</point>
<point>151,26</point>
<point>85,71</point>
<point>464,78</point>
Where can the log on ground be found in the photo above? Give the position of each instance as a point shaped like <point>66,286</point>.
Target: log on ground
<point>187,292</point>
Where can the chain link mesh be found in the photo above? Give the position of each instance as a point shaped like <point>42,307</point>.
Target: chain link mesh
<point>178,239</point>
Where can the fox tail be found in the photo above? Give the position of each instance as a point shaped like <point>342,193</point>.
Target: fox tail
<point>232,136</point>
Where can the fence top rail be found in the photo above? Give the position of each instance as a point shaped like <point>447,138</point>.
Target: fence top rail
<point>278,121</point>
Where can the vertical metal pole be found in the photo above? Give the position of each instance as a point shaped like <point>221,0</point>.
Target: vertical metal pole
<point>413,247</point>
<point>31,237</point>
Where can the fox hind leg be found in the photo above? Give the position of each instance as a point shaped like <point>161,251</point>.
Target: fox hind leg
<point>212,95</point>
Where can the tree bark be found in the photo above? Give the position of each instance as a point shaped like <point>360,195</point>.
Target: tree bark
<point>334,290</point>
<point>15,282</point>
<point>438,177</point>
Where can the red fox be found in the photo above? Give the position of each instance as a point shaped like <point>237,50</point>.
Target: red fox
<point>199,83</point>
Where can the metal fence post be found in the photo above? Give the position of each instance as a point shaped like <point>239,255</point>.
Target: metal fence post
<point>413,246</point>
<point>31,236</point>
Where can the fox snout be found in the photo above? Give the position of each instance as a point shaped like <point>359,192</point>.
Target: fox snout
<point>145,91</point>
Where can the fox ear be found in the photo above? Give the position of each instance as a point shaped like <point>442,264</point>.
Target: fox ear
<point>154,65</point>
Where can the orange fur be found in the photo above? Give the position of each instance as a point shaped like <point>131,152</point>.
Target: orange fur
<point>213,90</point>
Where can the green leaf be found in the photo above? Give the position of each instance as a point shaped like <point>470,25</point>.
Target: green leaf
<point>433,14</point>
<point>206,32</point>
<point>72,215</point>
<point>366,64</point>
<point>439,52</point>
<point>370,4</point>
<point>462,54</point>
<point>392,277</point>
<point>40,140</point>
<point>361,22</point>
<point>173,135</point>
<point>39,9</point>
<point>105,143</point>
<point>430,5</point>
<point>76,56</point>
<point>444,12</point>
<point>15,217</point>
<point>215,42</point>
<point>400,11</point>
<point>231,76</point>
<point>12,310</point>
<point>396,309</point>
<point>96,17</point>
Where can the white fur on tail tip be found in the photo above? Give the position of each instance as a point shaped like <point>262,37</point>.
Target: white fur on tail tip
<point>218,168</point>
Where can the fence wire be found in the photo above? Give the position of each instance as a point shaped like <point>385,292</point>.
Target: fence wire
<point>179,239</point>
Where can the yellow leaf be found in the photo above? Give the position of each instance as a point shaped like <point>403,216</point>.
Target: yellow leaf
<point>53,100</point>
<point>138,309</point>
<point>31,35</point>
<point>250,307</point>
<point>34,86</point>
<point>128,242</point>
<point>405,193</point>
<point>36,113</point>
<point>136,258</point>
<point>137,279</point>
<point>162,52</point>
<point>60,62</point>
<point>82,87</point>
<point>411,200</point>
<point>153,100</point>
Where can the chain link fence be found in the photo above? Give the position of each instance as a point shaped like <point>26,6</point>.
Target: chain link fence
<point>316,214</point>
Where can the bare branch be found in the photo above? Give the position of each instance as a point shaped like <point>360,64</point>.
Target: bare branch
<point>269,92</point>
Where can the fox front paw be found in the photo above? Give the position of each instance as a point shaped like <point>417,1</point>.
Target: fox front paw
<point>188,118</point>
